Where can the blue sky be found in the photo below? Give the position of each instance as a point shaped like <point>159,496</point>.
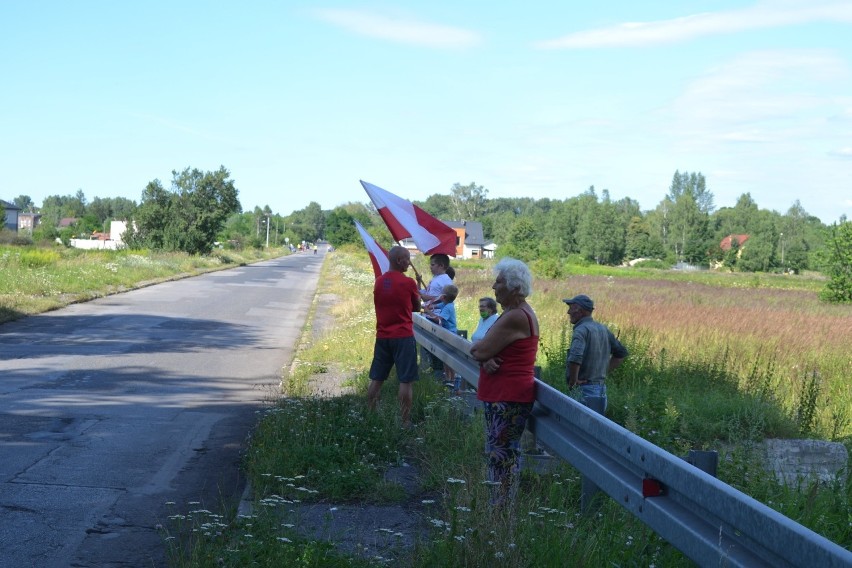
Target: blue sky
<point>300,100</point>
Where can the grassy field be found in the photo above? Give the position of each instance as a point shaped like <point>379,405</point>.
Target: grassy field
<point>716,361</point>
<point>36,279</point>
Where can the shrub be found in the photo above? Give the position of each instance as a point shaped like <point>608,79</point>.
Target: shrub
<point>37,258</point>
<point>550,267</point>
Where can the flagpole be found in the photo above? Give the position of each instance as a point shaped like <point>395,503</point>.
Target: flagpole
<point>417,274</point>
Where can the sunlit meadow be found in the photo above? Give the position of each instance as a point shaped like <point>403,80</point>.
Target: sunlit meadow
<point>716,361</point>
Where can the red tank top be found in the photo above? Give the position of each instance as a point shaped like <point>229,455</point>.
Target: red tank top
<point>514,380</point>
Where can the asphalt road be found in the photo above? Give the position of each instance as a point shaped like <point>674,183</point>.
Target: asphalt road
<point>112,408</point>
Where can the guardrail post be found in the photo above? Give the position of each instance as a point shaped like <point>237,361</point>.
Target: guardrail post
<point>588,488</point>
<point>528,441</point>
<point>706,461</point>
<point>425,365</point>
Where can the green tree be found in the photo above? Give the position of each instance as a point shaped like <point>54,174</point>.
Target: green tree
<point>523,241</point>
<point>601,233</point>
<point>468,200</point>
<point>437,205</point>
<point>239,231</point>
<point>838,289</point>
<point>75,206</point>
<point>110,208</point>
<point>640,242</point>
<point>340,228</point>
<point>25,203</point>
<point>188,217</point>
<point>686,218</point>
<point>758,252</point>
<point>307,224</point>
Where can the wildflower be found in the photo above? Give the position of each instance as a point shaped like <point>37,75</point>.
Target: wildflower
<point>454,480</point>
<point>284,539</point>
<point>428,501</point>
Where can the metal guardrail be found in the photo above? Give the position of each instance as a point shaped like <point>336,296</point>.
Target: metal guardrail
<point>709,521</point>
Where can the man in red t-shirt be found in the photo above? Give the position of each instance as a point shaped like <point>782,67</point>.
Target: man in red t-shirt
<point>396,297</point>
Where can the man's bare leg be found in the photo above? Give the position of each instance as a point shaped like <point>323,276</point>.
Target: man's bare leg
<point>406,398</point>
<point>374,392</point>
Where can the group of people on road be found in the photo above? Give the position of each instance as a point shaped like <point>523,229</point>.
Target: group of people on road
<point>505,345</point>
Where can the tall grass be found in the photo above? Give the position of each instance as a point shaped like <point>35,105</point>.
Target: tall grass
<point>764,344</point>
<point>700,374</point>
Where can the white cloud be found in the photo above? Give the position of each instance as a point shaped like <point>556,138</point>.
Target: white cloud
<point>761,86</point>
<point>769,14</point>
<point>399,29</point>
<point>843,153</point>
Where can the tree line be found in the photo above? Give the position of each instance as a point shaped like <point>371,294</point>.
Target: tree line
<point>685,227</point>
<point>200,210</point>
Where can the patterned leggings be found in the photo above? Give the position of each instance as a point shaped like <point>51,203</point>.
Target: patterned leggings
<point>504,424</point>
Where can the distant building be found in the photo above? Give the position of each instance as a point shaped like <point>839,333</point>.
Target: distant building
<point>11,219</point>
<point>27,222</point>
<point>728,241</point>
<point>97,240</point>
<point>470,242</point>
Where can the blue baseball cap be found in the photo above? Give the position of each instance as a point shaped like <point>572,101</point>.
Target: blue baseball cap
<point>581,300</point>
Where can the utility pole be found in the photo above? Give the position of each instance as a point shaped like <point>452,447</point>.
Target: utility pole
<point>267,231</point>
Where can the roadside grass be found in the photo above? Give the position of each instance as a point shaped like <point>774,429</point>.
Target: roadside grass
<point>35,279</point>
<point>701,375</point>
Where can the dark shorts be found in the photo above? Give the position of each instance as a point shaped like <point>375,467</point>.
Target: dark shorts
<point>400,352</point>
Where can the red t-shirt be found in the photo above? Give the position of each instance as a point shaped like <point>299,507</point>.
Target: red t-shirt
<point>396,297</point>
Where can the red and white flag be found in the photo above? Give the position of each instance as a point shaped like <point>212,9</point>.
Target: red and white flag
<point>404,219</point>
<point>378,256</point>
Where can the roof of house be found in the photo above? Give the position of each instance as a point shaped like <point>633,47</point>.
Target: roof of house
<point>727,242</point>
<point>67,221</point>
<point>472,231</point>
<point>9,206</point>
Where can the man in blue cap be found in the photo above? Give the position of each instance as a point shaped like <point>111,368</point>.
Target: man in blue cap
<point>594,352</point>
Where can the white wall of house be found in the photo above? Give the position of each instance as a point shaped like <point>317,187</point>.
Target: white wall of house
<point>472,251</point>
<point>94,244</point>
<point>116,229</point>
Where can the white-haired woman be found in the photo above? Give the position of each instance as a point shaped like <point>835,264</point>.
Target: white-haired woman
<point>506,357</point>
